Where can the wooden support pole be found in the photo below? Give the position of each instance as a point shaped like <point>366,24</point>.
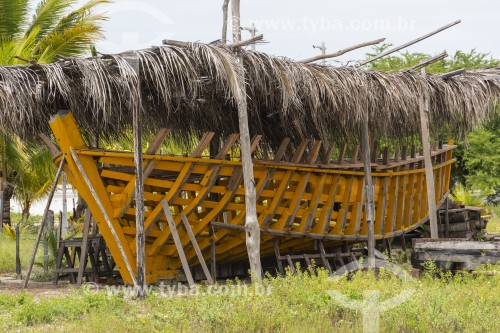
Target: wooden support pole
<point>281,271</point>
<point>42,224</point>
<point>386,53</point>
<point>249,41</point>
<point>83,252</point>
<point>370,205</point>
<point>452,73</point>
<point>18,256</point>
<point>251,223</point>
<point>447,218</point>
<point>64,204</point>
<point>429,174</point>
<point>178,243</point>
<point>427,62</point>
<point>324,259</point>
<point>213,260</point>
<point>139,203</point>
<point>107,219</point>
<point>225,6</point>
<point>197,249</point>
<point>343,51</point>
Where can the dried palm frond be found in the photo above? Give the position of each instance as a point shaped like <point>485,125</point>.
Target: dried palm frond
<point>191,89</point>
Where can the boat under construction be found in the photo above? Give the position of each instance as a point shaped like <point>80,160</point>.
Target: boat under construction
<point>300,199</point>
<point>305,121</point>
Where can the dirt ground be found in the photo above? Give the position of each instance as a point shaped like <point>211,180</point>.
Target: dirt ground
<point>10,285</point>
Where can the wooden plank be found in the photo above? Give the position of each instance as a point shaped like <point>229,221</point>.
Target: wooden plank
<point>181,179</point>
<point>424,245</point>
<point>314,152</point>
<point>290,264</point>
<point>255,141</point>
<point>209,181</point>
<point>299,191</point>
<point>324,260</point>
<point>177,241</point>
<point>308,219</point>
<point>328,208</point>
<point>404,153</point>
<point>396,154</point>
<point>410,198</point>
<point>213,260</point>
<point>357,210</point>
<point>342,151</point>
<point>54,151</point>
<point>281,271</point>
<point>295,202</point>
<point>417,195</point>
<point>355,154</point>
<point>385,158</point>
<point>328,154</point>
<point>157,141</point>
<point>127,194</point>
<point>266,219</point>
<point>196,247</point>
<point>342,216</point>
<point>380,218</point>
<point>393,204</point>
<point>375,152</point>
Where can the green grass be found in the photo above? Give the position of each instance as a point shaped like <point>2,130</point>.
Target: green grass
<point>8,251</point>
<point>300,303</point>
<point>494,221</point>
<point>8,247</point>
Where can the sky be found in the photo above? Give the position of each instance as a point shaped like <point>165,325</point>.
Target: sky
<point>291,28</point>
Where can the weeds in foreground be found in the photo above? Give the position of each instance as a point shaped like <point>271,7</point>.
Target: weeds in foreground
<point>297,302</point>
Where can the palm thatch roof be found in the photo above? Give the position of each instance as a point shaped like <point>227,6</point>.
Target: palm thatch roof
<point>191,89</point>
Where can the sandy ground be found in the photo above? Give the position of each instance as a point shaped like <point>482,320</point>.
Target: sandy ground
<point>10,285</point>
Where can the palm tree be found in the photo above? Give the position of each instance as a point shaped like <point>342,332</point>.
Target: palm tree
<point>34,177</point>
<point>38,34</point>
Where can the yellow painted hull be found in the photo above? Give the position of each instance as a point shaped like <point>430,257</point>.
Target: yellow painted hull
<point>297,203</point>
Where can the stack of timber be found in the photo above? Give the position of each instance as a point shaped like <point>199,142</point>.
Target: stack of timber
<point>462,222</point>
<point>195,205</point>
<point>454,254</point>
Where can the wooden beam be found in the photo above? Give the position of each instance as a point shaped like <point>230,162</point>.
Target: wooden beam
<point>107,219</point>
<point>225,6</point>
<point>127,194</point>
<point>83,252</point>
<point>177,241</point>
<point>247,41</point>
<point>429,174</point>
<point>54,151</point>
<point>343,51</point>
<point>213,260</point>
<point>427,62</point>
<point>452,73</point>
<point>251,222</point>
<point>419,39</point>
<point>44,220</point>
<point>196,247</point>
<point>369,192</point>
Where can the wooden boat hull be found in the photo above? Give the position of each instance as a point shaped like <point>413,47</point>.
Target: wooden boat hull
<point>297,202</point>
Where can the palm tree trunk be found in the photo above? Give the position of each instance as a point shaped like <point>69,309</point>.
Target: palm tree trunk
<point>26,210</point>
<point>8,191</point>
